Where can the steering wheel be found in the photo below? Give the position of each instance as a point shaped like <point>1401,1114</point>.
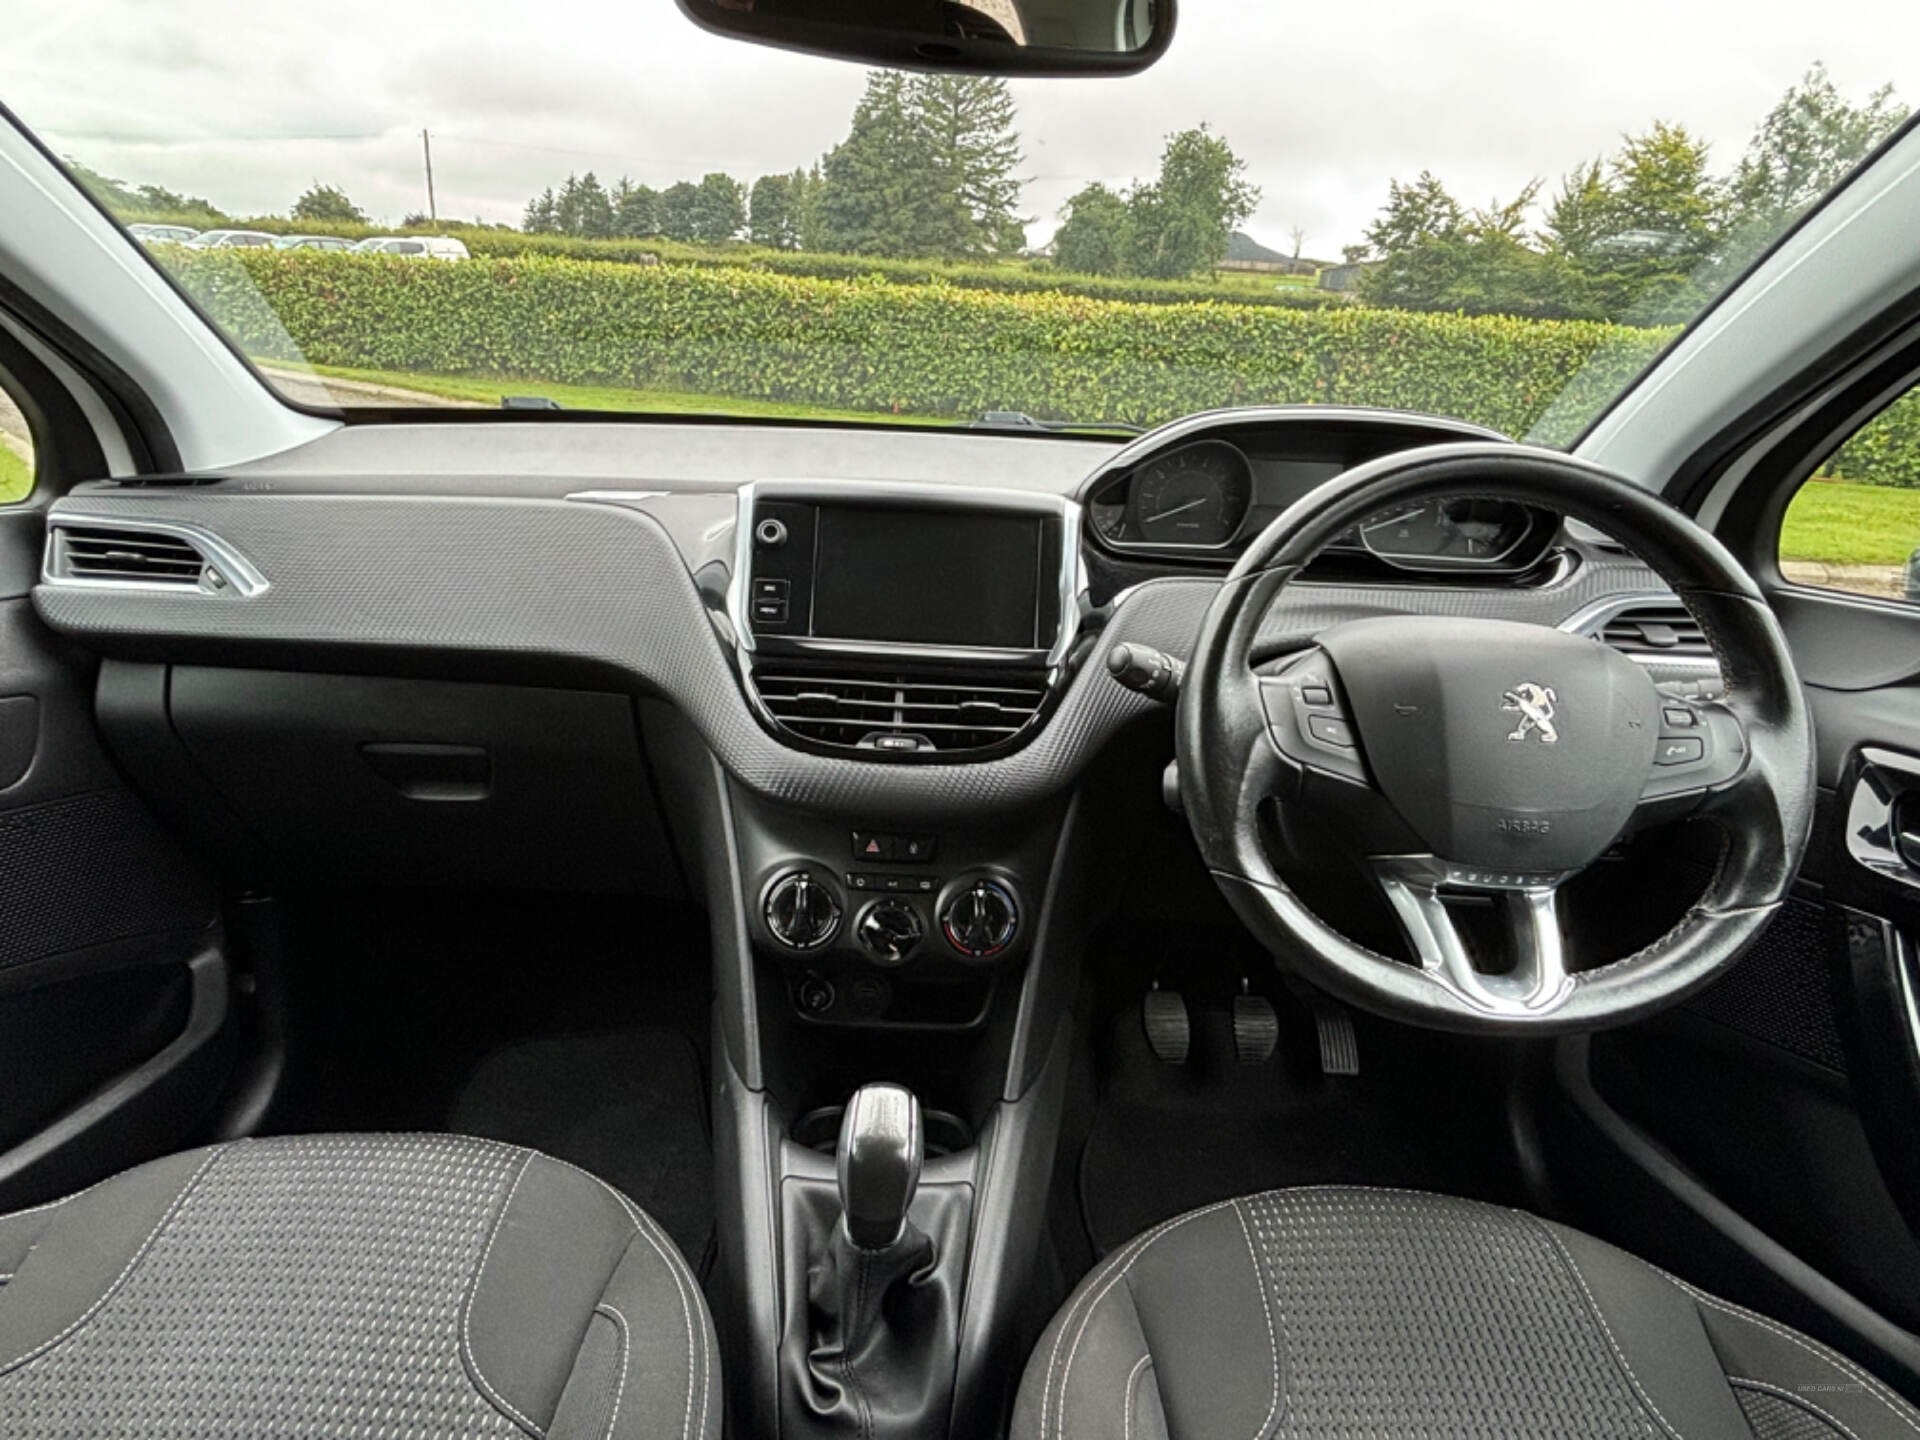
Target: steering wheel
<point>1488,759</point>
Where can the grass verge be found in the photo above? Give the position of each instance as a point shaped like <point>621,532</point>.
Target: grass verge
<point>1841,523</point>
<point>487,391</point>
<point>16,476</point>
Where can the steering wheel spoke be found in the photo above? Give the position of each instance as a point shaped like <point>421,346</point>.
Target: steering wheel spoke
<point>1699,759</point>
<point>1529,979</point>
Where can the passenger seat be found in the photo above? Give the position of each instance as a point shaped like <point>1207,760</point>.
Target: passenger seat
<point>408,1287</point>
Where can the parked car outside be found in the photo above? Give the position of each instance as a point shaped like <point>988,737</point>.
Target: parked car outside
<point>163,234</point>
<point>418,247</point>
<point>312,242</point>
<point>231,240</point>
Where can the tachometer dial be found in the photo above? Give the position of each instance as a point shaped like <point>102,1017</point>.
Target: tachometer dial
<point>1196,495</point>
<point>1456,531</point>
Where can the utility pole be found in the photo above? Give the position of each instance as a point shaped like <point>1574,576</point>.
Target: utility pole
<point>426,149</point>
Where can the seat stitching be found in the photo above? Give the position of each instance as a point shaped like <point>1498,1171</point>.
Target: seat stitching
<point>1086,1319</point>
<point>1133,1378</point>
<point>140,1254</point>
<point>472,1360</point>
<point>1741,1382</point>
<point>1820,1352</point>
<point>1573,1266</point>
<point>1085,1297</point>
<point>626,1350</point>
<point>644,1223</point>
<point>1098,1273</point>
<point>1266,1306</point>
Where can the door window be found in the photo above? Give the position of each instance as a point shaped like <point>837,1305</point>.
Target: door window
<point>1855,524</point>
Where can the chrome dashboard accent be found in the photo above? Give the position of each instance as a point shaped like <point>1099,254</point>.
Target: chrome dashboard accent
<point>1872,830</point>
<point>1072,579</point>
<point>238,576</point>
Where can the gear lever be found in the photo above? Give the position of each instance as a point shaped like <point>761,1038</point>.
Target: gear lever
<point>873,1320</point>
<point>878,1164</point>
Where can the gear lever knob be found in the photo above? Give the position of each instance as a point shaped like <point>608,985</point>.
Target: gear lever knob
<point>879,1157</point>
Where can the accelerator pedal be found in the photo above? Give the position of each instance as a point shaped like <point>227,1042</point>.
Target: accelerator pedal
<point>1339,1045</point>
<point>1169,1031</point>
<point>1256,1028</point>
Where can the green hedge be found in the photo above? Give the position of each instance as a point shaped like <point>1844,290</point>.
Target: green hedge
<point>935,350</point>
<point>1885,452</point>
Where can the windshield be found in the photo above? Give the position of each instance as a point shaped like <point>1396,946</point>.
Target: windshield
<point>1498,211</point>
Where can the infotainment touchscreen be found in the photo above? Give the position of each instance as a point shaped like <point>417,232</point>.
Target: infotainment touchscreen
<point>930,577</point>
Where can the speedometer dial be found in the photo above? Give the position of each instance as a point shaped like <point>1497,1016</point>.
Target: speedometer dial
<point>1457,531</point>
<point>1196,495</point>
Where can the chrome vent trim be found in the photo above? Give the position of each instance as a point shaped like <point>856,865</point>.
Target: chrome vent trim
<point>950,713</point>
<point>156,555</point>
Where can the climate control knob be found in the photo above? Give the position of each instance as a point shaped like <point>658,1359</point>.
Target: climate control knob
<point>801,912</point>
<point>889,930</point>
<point>981,919</point>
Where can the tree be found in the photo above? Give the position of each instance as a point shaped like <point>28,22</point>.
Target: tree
<point>1432,253</point>
<point>873,200</point>
<point>806,208</point>
<point>927,168</point>
<point>1297,234</point>
<point>1182,221</point>
<point>719,209</point>
<point>677,203</point>
<point>636,209</point>
<point>1096,233</point>
<point>771,217</point>
<point>152,201</point>
<point>1806,144</point>
<point>972,151</point>
<point>540,218</point>
<point>328,204</point>
<point>583,208</point>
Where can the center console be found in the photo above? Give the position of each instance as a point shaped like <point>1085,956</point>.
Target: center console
<point>875,942</point>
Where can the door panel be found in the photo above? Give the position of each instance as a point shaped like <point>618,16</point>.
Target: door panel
<point>112,978</point>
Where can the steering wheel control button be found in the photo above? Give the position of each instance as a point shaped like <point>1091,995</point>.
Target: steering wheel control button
<point>981,920</point>
<point>1315,695</point>
<point>1678,717</point>
<point>1331,729</point>
<point>889,931</point>
<point>801,913</point>
<point>1680,750</point>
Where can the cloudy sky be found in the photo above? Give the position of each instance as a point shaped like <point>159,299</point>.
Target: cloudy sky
<point>248,101</point>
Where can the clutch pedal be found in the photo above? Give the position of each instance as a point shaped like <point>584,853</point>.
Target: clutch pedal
<point>1169,1031</point>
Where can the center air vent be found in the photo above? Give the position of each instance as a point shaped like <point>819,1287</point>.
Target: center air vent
<point>1658,630</point>
<point>146,557</point>
<point>898,711</point>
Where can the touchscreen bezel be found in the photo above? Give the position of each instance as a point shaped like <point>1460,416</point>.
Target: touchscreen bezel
<point>1067,578</point>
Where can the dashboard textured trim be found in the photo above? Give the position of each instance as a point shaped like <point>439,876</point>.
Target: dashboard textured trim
<point>605,584</point>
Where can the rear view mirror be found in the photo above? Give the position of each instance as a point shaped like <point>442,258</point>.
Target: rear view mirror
<point>1025,37</point>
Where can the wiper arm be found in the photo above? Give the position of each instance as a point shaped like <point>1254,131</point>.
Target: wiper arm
<point>1020,420</point>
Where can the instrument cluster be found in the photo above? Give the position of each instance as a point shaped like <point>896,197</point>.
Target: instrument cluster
<point>1206,498</point>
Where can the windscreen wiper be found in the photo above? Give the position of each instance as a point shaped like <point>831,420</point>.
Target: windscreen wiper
<point>1020,420</point>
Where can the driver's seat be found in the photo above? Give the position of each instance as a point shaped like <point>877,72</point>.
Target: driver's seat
<point>1384,1313</point>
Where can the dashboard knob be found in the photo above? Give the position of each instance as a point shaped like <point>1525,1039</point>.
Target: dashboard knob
<point>801,912</point>
<point>980,921</point>
<point>889,930</point>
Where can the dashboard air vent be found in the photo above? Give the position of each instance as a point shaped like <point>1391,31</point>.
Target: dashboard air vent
<point>901,711</point>
<point>146,555</point>
<point>133,557</point>
<point>1661,630</point>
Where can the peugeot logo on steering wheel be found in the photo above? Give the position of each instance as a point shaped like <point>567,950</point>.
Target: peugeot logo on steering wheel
<point>1534,704</point>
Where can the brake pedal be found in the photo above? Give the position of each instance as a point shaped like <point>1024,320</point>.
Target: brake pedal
<point>1256,1028</point>
<point>1339,1045</point>
<point>1169,1031</point>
